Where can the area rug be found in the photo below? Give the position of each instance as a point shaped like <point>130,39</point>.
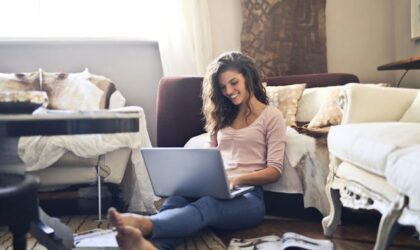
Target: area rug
<point>81,223</point>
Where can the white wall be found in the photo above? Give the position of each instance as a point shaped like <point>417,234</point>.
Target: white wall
<point>134,66</point>
<point>226,25</point>
<point>360,37</point>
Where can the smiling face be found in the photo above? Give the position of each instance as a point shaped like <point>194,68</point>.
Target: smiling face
<point>233,86</point>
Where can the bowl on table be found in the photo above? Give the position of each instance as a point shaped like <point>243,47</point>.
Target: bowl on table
<point>22,102</point>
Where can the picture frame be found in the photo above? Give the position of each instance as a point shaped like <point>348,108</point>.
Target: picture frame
<point>415,19</point>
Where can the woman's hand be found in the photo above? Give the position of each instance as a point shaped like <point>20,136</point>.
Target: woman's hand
<point>234,181</point>
<point>260,177</point>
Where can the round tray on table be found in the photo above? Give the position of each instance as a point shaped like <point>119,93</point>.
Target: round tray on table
<point>22,102</point>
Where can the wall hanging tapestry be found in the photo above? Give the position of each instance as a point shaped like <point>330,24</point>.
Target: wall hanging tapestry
<point>285,37</point>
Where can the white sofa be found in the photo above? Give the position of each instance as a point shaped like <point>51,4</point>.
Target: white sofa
<point>375,158</point>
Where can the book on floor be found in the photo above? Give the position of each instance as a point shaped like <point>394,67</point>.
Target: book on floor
<point>288,240</point>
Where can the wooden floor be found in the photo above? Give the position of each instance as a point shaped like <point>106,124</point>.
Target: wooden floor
<point>357,234</point>
<point>357,231</point>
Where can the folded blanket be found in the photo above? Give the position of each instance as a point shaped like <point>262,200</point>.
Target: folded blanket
<point>297,145</point>
<point>39,152</point>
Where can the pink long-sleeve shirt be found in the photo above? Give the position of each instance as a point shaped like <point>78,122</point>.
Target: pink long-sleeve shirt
<point>257,146</point>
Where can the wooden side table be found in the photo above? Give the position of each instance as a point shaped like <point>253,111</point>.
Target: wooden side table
<point>406,64</point>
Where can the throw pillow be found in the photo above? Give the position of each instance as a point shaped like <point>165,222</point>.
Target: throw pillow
<point>413,112</point>
<point>19,81</point>
<point>71,91</point>
<point>286,98</point>
<point>330,112</point>
<point>107,86</point>
<point>311,101</point>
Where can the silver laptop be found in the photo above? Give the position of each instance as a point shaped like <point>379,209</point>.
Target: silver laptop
<point>189,172</point>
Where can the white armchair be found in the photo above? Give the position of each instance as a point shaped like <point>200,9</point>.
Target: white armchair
<point>86,161</point>
<point>374,158</point>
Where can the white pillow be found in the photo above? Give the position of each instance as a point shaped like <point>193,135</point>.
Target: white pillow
<point>311,101</point>
<point>413,112</point>
<point>199,141</point>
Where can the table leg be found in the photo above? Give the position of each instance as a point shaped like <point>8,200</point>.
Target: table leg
<point>19,236</point>
<point>49,231</point>
<point>10,161</point>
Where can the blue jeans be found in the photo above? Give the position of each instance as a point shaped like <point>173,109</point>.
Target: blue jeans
<point>180,217</point>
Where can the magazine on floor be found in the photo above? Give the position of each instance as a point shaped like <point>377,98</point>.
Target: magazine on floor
<point>288,240</point>
<point>97,238</point>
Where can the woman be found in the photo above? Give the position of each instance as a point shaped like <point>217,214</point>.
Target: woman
<point>251,137</point>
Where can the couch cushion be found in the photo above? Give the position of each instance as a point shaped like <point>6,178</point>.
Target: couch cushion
<point>63,176</point>
<point>368,145</point>
<point>70,159</point>
<point>403,170</point>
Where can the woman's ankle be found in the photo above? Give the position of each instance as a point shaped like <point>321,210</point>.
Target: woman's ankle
<point>143,223</point>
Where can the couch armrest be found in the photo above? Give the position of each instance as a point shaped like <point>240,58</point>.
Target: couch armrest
<point>367,103</point>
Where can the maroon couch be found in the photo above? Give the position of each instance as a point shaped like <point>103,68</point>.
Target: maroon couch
<point>179,103</point>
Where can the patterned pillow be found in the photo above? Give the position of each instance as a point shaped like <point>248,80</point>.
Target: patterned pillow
<point>71,91</point>
<point>19,81</point>
<point>330,112</point>
<point>74,91</point>
<point>413,112</point>
<point>286,98</point>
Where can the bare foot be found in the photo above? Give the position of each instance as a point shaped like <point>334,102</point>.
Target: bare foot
<point>130,238</point>
<point>143,223</point>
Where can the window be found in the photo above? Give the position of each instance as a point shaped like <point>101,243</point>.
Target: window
<point>79,19</point>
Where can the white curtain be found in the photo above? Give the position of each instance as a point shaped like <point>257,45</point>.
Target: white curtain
<point>184,37</point>
<point>182,27</point>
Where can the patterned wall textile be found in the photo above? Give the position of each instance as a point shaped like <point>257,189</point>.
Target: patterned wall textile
<point>285,37</point>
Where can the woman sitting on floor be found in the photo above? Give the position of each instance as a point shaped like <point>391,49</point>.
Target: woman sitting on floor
<point>251,137</point>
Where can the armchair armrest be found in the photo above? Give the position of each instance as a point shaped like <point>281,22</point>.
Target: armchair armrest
<point>367,103</point>
<point>116,100</point>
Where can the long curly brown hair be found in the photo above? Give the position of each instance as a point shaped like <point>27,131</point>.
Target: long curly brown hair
<point>218,110</point>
